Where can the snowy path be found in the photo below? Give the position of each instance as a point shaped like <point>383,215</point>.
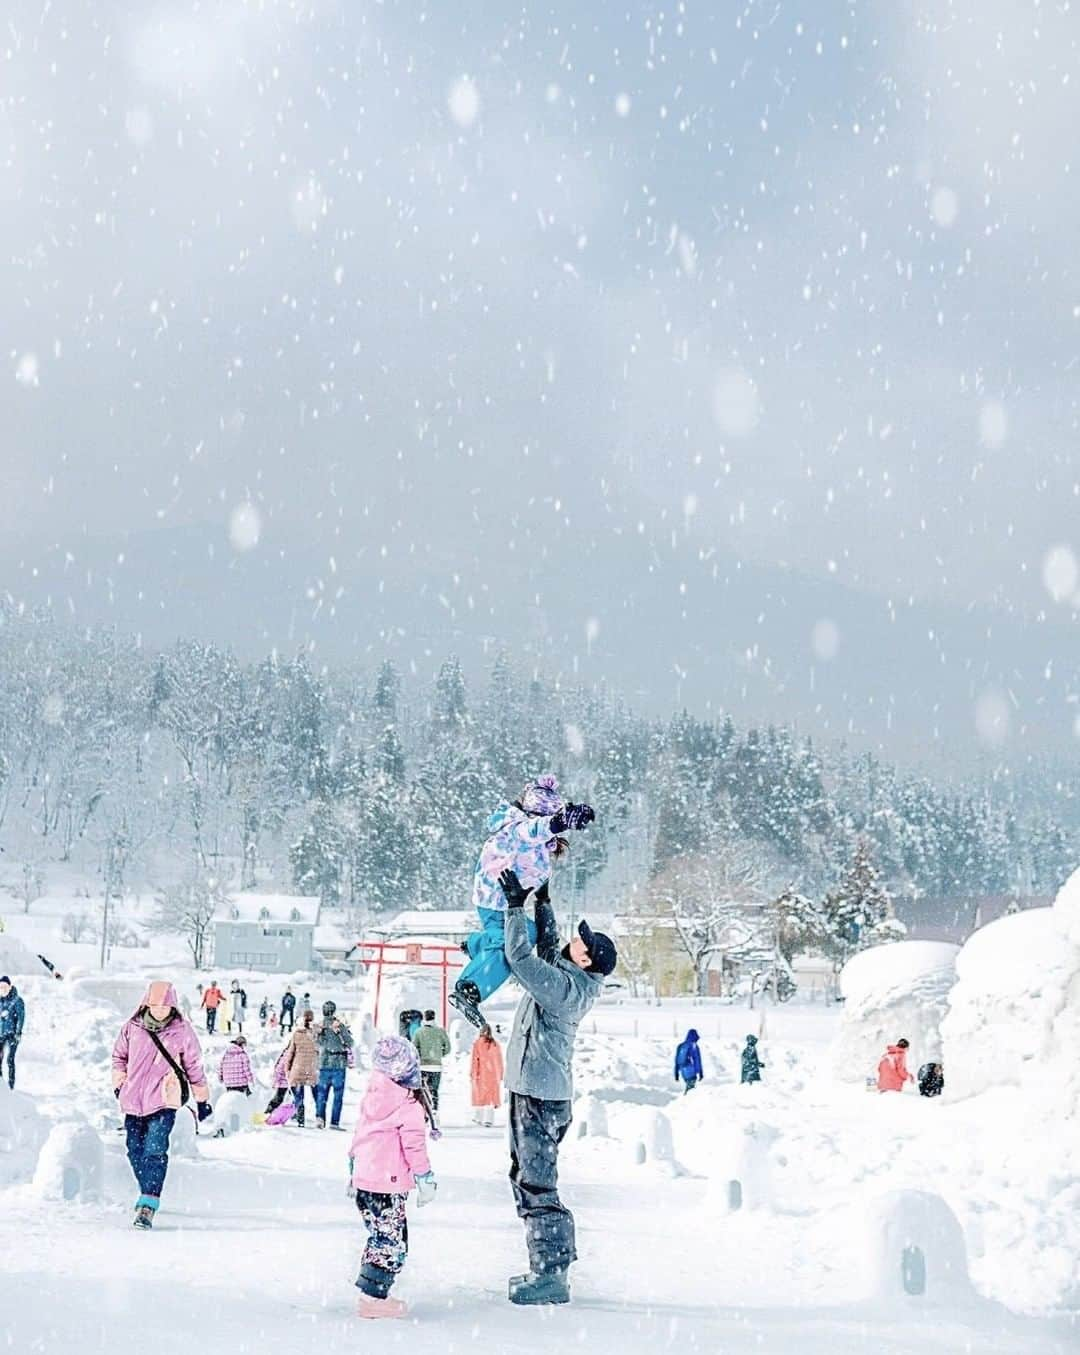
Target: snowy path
<point>258,1244</point>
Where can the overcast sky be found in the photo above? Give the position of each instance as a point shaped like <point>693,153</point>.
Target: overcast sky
<point>728,353</point>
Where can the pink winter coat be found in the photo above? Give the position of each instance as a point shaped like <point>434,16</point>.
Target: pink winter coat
<point>389,1147</point>
<point>281,1072</point>
<point>892,1071</point>
<point>147,1083</point>
<point>235,1070</point>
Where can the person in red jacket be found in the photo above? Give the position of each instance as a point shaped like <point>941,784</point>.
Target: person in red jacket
<point>892,1071</point>
<point>212,1000</point>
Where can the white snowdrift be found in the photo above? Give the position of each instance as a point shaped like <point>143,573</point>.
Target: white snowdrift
<point>900,989</point>
<point>15,960</point>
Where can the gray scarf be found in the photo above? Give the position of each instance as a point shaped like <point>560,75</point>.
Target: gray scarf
<point>151,1023</point>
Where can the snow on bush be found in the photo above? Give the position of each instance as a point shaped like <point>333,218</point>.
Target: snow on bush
<point>893,991</point>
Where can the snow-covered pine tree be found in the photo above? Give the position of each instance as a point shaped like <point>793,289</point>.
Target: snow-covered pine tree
<point>859,910</point>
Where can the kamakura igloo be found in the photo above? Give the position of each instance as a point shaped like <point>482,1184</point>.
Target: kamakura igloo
<point>1014,1012</point>
<point>899,989</point>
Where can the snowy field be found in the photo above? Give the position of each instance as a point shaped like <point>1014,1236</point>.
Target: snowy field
<point>257,1243</point>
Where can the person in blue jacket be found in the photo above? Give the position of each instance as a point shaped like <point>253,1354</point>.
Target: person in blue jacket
<point>12,1020</point>
<point>688,1061</point>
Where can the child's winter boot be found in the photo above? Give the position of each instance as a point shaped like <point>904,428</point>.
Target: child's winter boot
<point>367,1305</point>
<point>550,1286</point>
<point>466,999</point>
<point>144,1216</point>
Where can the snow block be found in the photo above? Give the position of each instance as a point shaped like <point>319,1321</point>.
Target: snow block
<point>744,1169</point>
<point>22,1132</point>
<point>592,1118</point>
<point>183,1141</point>
<point>914,1250</point>
<point>71,1165</point>
<point>232,1113</point>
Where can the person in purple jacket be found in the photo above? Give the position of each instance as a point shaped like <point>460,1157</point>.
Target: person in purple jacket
<point>157,1065</point>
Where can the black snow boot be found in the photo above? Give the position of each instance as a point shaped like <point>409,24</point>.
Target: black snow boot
<point>466,999</point>
<point>550,1286</point>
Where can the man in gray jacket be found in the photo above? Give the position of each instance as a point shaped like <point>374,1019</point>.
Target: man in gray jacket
<point>561,986</point>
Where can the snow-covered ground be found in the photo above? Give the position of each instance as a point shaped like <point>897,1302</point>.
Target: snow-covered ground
<point>258,1244</point>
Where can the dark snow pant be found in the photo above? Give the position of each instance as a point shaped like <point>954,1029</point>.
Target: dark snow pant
<point>10,1043</point>
<point>537,1128</point>
<point>211,1020</point>
<point>298,1102</point>
<point>148,1151</point>
<point>276,1099</point>
<point>432,1082</point>
<point>387,1242</point>
<point>691,1083</point>
<point>330,1078</point>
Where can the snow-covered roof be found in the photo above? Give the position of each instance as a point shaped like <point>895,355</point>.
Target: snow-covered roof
<point>333,936</point>
<point>429,922</point>
<point>244,907</point>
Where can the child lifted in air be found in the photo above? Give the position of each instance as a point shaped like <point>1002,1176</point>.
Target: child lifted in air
<point>523,837</point>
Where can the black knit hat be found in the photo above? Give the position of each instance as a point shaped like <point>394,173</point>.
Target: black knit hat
<point>601,950</point>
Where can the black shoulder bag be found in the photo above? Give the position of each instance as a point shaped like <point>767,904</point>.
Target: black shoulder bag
<point>185,1088</point>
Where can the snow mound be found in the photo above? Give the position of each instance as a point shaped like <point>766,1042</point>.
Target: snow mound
<point>71,1165</point>
<point>1012,980</point>
<point>900,989</point>
<point>15,959</point>
<point>913,1250</point>
<point>22,1132</point>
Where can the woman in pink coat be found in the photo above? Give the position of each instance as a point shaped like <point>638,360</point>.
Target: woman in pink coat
<point>157,1064</point>
<point>485,1077</point>
<point>388,1157</point>
<point>892,1071</point>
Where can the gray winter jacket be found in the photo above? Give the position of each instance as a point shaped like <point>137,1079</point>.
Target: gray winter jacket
<point>334,1046</point>
<point>558,996</point>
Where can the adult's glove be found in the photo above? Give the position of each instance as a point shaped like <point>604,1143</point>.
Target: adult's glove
<point>541,895</point>
<point>426,1186</point>
<point>572,817</point>
<point>204,1110</point>
<point>515,891</point>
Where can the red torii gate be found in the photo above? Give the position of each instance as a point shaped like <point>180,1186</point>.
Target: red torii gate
<point>417,954</point>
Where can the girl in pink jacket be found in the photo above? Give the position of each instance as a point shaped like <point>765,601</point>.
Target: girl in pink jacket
<point>157,1065</point>
<point>387,1158</point>
<point>235,1070</point>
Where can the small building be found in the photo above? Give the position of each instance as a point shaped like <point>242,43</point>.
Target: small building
<point>451,926</point>
<point>274,933</point>
<point>334,944</point>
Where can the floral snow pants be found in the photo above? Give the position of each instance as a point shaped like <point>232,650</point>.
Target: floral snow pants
<point>387,1243</point>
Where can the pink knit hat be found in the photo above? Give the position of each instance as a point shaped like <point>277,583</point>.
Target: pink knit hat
<point>161,994</point>
<point>398,1060</point>
<point>542,795</point>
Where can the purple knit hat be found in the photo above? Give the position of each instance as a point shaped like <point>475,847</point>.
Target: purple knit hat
<point>398,1060</point>
<point>542,796</point>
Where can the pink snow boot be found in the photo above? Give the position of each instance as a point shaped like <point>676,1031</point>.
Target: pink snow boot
<point>369,1306</point>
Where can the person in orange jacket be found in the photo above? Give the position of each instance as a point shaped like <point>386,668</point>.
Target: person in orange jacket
<point>892,1071</point>
<point>212,1000</point>
<point>485,1076</point>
